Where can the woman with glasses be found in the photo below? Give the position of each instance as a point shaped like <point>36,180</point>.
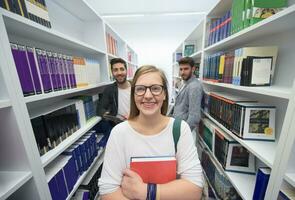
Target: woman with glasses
<point>148,134</point>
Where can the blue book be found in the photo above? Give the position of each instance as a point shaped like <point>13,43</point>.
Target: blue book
<point>87,149</point>
<point>52,184</point>
<point>61,184</point>
<point>73,153</point>
<point>71,174</point>
<point>77,152</point>
<point>262,178</point>
<point>84,156</point>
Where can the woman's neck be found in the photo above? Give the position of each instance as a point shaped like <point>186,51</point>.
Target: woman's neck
<point>149,125</point>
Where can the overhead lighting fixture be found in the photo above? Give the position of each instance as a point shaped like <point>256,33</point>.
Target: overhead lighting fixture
<point>153,14</point>
<point>183,13</point>
<point>123,16</point>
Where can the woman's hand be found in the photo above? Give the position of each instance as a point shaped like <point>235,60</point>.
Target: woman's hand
<point>132,185</point>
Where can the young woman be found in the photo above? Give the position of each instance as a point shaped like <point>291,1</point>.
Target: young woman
<point>148,133</point>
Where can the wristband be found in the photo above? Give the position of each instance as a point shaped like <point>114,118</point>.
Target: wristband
<point>151,191</point>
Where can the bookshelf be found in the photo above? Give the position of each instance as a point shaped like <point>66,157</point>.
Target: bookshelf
<point>11,181</point>
<point>34,98</point>
<point>97,162</point>
<point>277,30</point>
<point>4,103</point>
<point>194,38</point>
<point>77,30</point>
<point>243,183</point>
<point>52,154</point>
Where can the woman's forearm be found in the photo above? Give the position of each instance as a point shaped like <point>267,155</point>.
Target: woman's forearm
<point>117,195</point>
<point>180,189</point>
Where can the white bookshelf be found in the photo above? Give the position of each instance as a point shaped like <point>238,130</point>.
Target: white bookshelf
<point>282,21</point>
<point>290,178</point>
<point>263,150</point>
<point>277,30</point>
<point>18,24</point>
<point>243,183</point>
<point>5,103</point>
<point>12,181</point>
<point>197,55</point>
<point>94,168</point>
<point>97,161</point>
<point>50,95</point>
<point>77,30</point>
<point>272,91</point>
<point>52,154</point>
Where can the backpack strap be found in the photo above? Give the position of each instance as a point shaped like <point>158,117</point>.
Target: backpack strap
<point>176,132</point>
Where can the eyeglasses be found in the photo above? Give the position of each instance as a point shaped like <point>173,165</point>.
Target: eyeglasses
<point>156,90</point>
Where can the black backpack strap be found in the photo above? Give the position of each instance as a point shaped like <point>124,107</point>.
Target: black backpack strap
<point>176,132</point>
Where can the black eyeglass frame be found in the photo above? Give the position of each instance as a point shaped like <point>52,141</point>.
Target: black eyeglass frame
<point>148,87</point>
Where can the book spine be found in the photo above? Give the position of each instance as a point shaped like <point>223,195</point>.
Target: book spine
<point>23,69</point>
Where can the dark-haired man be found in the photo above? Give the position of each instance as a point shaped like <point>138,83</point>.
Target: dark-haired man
<point>188,100</point>
<point>116,97</point>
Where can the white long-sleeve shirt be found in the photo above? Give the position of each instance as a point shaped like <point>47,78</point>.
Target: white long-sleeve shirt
<point>125,142</point>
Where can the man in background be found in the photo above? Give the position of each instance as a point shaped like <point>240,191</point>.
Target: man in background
<point>114,105</point>
<point>116,97</point>
<point>188,100</point>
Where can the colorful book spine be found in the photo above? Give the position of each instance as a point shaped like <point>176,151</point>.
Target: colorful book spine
<point>57,71</point>
<point>23,69</point>
<point>61,72</point>
<point>261,183</point>
<point>31,56</point>
<point>52,70</point>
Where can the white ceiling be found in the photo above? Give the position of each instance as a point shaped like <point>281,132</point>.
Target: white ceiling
<point>152,9</point>
<point>155,35</point>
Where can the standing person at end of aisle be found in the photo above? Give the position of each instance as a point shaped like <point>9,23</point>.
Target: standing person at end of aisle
<point>148,133</point>
<point>188,100</point>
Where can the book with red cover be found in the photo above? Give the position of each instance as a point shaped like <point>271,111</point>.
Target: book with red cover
<point>158,170</point>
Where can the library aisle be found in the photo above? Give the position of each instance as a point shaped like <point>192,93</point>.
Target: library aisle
<point>54,64</point>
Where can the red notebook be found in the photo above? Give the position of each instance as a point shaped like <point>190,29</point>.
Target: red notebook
<point>157,170</point>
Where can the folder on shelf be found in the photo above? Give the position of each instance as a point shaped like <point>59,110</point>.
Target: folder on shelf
<point>157,170</point>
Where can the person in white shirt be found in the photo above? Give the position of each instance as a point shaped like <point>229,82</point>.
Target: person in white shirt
<point>116,97</point>
<point>148,132</point>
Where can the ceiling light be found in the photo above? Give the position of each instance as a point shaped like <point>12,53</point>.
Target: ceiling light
<point>128,15</point>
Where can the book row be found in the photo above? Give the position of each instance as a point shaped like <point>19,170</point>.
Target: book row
<point>219,28</point>
<point>55,123</point>
<point>220,183</point>
<point>245,13</point>
<point>63,173</point>
<point>112,44</point>
<point>231,155</point>
<point>242,14</point>
<point>41,71</point>
<point>246,118</point>
<point>34,10</point>
<point>89,191</point>
<point>247,66</point>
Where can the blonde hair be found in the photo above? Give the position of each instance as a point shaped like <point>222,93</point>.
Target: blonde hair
<point>139,72</point>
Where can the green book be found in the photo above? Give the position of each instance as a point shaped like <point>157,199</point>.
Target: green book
<point>262,9</point>
<point>189,49</point>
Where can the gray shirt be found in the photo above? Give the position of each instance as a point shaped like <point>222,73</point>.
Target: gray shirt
<point>188,102</point>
